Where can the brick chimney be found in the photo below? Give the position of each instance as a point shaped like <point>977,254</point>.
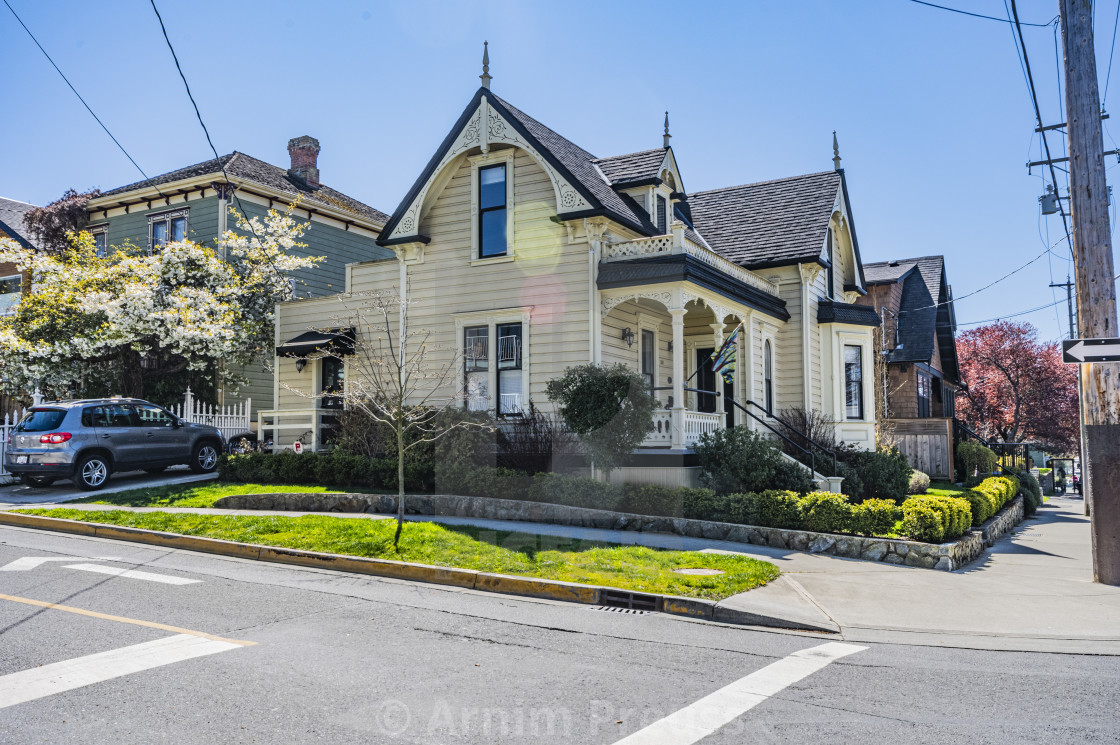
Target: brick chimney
<point>305,159</point>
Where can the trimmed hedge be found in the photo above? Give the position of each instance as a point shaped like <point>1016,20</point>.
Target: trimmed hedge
<point>1032,492</point>
<point>923,517</point>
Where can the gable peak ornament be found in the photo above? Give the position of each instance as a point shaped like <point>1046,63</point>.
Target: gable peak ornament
<point>835,152</point>
<point>486,77</point>
<point>666,137</point>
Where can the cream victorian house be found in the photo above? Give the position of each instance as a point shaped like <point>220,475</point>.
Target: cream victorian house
<point>528,255</point>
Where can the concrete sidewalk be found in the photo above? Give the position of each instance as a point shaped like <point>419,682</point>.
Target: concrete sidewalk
<point>1033,591</point>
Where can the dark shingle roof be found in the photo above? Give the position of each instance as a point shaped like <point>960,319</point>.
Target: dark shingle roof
<point>632,167</point>
<point>240,165</point>
<point>885,272</point>
<point>769,223</point>
<point>925,316</point>
<point>11,219</point>
<point>580,164</point>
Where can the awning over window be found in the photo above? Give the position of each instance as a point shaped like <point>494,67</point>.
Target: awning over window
<point>338,341</point>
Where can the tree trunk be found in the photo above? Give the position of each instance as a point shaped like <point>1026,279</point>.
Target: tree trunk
<point>400,484</point>
<point>132,375</point>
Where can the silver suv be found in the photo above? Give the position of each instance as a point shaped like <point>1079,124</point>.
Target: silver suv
<point>90,439</point>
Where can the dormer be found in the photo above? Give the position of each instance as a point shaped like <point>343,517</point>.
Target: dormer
<point>650,178</point>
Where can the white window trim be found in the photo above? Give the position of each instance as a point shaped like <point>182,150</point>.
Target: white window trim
<point>103,229</point>
<point>650,323</point>
<point>167,216</point>
<point>769,337</point>
<point>844,339</point>
<point>492,319</point>
<point>479,162</point>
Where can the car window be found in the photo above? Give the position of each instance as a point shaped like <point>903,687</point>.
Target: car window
<point>42,420</point>
<point>95,416</point>
<point>118,415</point>
<point>153,416</point>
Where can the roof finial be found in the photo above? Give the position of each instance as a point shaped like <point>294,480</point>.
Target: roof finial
<point>485,65</point>
<point>835,152</point>
<point>666,136</point>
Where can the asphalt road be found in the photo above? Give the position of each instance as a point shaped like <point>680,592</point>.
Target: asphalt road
<point>190,648</point>
<point>64,489</point>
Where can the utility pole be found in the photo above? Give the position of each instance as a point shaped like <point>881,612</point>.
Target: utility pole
<point>1096,289</point>
<point>1069,302</point>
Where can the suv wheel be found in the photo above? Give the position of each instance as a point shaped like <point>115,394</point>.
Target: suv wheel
<point>37,482</point>
<point>204,459</point>
<point>92,472</point>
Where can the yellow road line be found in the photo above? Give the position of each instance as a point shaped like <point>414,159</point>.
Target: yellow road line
<point>122,619</point>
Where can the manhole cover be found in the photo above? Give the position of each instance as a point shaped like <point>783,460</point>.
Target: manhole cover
<point>700,571</point>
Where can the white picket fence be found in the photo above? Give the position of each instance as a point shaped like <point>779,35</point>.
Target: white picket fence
<point>11,419</point>
<point>232,419</point>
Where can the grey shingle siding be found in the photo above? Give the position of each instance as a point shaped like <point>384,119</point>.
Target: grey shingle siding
<point>11,220</point>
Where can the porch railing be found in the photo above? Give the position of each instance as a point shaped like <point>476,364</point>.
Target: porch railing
<point>677,243</point>
<point>694,425</point>
<point>309,425</point>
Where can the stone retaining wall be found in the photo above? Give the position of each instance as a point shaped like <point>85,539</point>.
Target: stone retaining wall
<point>944,556</point>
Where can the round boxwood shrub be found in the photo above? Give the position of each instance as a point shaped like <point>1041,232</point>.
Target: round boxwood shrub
<point>919,483</point>
<point>875,516</point>
<point>922,523</point>
<point>826,512</point>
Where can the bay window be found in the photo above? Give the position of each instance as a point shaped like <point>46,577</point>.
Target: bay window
<point>477,362</point>
<point>924,396</point>
<point>509,393</point>
<point>853,381</point>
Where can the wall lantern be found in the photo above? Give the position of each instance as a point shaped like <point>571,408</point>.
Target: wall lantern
<point>300,364</point>
<point>628,336</point>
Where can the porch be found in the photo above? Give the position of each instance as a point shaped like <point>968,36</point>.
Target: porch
<point>668,304</point>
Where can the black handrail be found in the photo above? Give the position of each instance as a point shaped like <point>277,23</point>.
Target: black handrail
<point>826,450</point>
<point>957,423</point>
<point>764,423</point>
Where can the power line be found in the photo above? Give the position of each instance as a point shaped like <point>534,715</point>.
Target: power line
<point>198,114</point>
<point>1012,315</point>
<point>978,15</point>
<point>75,90</point>
<point>1111,51</point>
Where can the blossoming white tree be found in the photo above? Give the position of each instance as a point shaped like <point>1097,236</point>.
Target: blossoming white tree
<point>143,316</point>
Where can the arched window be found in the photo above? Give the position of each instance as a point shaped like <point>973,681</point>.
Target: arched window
<point>768,377</point>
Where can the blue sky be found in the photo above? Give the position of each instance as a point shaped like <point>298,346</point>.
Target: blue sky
<point>931,107</point>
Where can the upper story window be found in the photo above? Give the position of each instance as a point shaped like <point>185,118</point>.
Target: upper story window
<point>831,266</point>
<point>10,290</point>
<point>100,235</point>
<point>492,211</point>
<point>853,381</point>
<point>167,227</point>
<point>662,215</point>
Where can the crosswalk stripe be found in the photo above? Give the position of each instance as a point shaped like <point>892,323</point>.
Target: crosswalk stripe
<point>28,685</point>
<point>133,574</point>
<point>700,719</point>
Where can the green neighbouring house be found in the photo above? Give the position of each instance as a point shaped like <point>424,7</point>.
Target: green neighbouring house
<point>193,202</point>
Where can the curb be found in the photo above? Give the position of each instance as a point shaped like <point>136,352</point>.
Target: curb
<point>469,579</point>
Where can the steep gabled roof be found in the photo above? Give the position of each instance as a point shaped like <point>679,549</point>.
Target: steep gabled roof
<point>580,164</point>
<point>770,223</point>
<point>241,166</point>
<point>621,169</point>
<point>572,162</point>
<point>11,220</point>
<point>925,316</point>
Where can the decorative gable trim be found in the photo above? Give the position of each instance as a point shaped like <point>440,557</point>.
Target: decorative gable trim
<point>483,124</point>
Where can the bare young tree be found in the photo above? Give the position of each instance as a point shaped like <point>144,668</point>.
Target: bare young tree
<point>396,377</point>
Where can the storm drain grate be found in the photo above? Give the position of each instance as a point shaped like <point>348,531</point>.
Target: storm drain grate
<point>629,611</point>
<point>629,600</point>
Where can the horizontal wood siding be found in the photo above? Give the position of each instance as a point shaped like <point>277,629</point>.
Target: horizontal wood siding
<point>202,223</point>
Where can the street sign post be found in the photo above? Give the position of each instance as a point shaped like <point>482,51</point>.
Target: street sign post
<point>1079,351</point>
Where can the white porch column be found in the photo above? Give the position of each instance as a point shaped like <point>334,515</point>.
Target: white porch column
<point>678,376</point>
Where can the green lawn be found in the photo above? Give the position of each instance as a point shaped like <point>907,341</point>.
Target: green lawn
<point>566,559</point>
<point>191,495</point>
<point>945,489</point>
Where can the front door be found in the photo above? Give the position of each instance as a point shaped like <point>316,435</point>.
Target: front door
<point>332,372</point>
<point>706,381</point>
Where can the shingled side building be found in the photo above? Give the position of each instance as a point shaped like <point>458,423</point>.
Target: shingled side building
<point>915,302</point>
<point>528,254</point>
